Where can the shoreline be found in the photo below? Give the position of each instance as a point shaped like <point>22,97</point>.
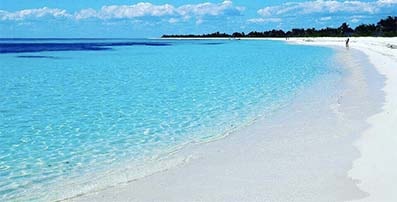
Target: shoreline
<point>201,156</point>
<point>376,168</point>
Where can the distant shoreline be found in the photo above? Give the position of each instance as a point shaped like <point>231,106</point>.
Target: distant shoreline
<point>384,28</point>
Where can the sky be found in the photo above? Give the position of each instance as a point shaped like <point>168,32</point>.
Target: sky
<point>152,18</point>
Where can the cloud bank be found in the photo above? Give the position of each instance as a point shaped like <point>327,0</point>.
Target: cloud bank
<point>141,10</point>
<point>34,13</point>
<point>322,9</point>
<point>318,11</point>
<point>329,7</point>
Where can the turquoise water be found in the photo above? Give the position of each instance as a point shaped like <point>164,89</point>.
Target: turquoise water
<point>68,113</point>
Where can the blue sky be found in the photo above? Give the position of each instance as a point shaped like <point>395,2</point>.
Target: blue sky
<point>128,18</point>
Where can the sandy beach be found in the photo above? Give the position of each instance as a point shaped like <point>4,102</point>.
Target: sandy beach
<point>337,144</point>
<point>376,167</point>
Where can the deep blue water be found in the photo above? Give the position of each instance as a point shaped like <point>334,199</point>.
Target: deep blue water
<point>71,108</point>
<point>85,46</point>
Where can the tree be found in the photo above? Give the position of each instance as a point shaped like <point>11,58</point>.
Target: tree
<point>388,26</point>
<point>345,30</point>
<point>365,30</point>
<point>237,35</point>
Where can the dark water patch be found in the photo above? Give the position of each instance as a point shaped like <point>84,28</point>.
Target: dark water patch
<point>37,56</point>
<point>41,47</point>
<point>64,39</point>
<point>212,43</point>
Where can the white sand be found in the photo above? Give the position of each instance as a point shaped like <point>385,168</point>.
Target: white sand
<point>377,166</point>
<point>304,154</point>
<point>376,169</point>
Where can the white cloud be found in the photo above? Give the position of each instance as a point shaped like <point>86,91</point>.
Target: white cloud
<point>326,18</point>
<point>167,12</point>
<point>173,20</point>
<point>86,13</point>
<point>388,1</point>
<point>209,9</point>
<point>263,20</point>
<point>141,10</point>
<point>199,21</point>
<point>357,18</point>
<point>33,13</point>
<point>127,11</point>
<point>326,7</point>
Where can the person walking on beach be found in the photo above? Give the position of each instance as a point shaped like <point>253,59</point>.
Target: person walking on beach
<point>347,43</point>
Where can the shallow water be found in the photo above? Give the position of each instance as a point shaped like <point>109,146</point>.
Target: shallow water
<point>66,112</point>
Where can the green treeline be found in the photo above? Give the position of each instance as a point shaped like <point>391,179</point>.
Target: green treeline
<point>385,28</point>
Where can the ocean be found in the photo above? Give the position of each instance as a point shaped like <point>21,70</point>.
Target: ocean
<point>75,111</point>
